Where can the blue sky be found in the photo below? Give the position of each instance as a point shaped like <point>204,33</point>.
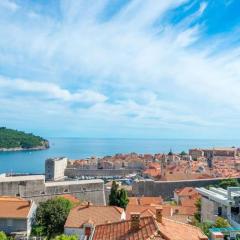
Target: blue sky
<point>140,69</point>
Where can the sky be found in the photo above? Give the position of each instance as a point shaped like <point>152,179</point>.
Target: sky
<point>118,68</point>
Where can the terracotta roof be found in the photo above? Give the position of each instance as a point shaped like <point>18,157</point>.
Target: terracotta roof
<point>97,214</point>
<point>186,191</point>
<point>173,230</point>
<point>147,210</point>
<point>133,201</point>
<point>145,200</point>
<point>71,198</point>
<point>122,231</point>
<point>150,200</point>
<point>13,207</point>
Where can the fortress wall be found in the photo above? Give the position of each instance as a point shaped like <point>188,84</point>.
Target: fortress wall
<point>75,172</point>
<point>38,190</point>
<point>166,188</point>
<point>21,188</point>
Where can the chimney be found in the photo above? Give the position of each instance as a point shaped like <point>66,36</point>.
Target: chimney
<point>135,221</point>
<point>159,214</point>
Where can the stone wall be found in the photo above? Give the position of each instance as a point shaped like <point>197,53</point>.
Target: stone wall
<point>75,172</point>
<point>38,190</point>
<point>166,188</point>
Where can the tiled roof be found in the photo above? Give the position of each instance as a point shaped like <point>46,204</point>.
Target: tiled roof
<point>71,198</point>
<point>147,210</point>
<point>150,200</point>
<point>97,214</point>
<point>122,231</point>
<point>186,191</point>
<point>145,200</point>
<point>13,207</point>
<point>173,230</point>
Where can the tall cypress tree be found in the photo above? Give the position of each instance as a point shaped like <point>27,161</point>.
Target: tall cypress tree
<point>118,197</point>
<point>113,197</point>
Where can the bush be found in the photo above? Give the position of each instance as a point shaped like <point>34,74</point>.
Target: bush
<point>66,237</point>
<point>3,236</point>
<point>118,197</point>
<point>51,217</point>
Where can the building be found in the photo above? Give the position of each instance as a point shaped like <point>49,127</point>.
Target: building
<point>35,188</point>
<point>220,202</point>
<point>83,219</point>
<point>147,228</point>
<point>185,194</point>
<point>16,215</point>
<point>196,153</point>
<point>55,168</point>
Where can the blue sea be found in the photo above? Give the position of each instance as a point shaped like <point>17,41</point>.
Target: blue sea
<point>76,148</point>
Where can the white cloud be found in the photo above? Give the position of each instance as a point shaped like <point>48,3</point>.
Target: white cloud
<point>51,90</point>
<point>8,4</point>
<point>152,73</point>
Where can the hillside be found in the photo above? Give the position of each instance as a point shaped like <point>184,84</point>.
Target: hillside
<point>13,140</point>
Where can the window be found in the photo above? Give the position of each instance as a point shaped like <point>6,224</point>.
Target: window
<point>219,211</point>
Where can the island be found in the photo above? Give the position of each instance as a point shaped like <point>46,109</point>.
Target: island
<point>14,140</point>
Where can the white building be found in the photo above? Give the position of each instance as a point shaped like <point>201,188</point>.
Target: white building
<point>54,168</point>
<point>220,202</point>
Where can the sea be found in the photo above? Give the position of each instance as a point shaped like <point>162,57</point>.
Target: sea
<point>77,148</point>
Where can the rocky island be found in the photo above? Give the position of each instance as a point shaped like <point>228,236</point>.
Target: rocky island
<point>14,140</point>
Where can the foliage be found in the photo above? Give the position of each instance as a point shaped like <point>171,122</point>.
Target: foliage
<point>3,236</point>
<point>221,223</point>
<point>66,237</point>
<point>230,182</point>
<point>10,138</point>
<point>113,201</point>
<point>205,226</point>
<point>123,198</point>
<point>197,214</point>
<point>51,216</point>
<point>118,197</point>
<point>183,153</point>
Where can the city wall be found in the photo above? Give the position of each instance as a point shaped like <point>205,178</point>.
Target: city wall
<point>38,190</point>
<point>166,188</point>
<point>75,172</point>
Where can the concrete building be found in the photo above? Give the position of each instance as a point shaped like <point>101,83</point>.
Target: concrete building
<point>220,202</point>
<point>35,188</point>
<point>16,215</point>
<point>54,168</point>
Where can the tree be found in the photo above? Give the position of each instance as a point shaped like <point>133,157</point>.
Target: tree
<point>183,153</point>
<point>113,197</point>
<point>51,216</point>
<point>221,223</point>
<point>118,197</point>
<point>123,198</point>
<point>3,236</point>
<point>230,182</point>
<point>66,237</point>
<point>197,214</point>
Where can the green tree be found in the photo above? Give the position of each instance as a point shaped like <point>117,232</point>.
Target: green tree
<point>3,236</point>
<point>183,153</point>
<point>230,182</point>
<point>221,223</point>
<point>51,216</point>
<point>197,214</point>
<point>122,198</point>
<point>113,197</point>
<point>66,237</point>
<point>118,197</point>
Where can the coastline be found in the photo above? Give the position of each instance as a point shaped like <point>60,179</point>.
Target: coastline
<point>20,149</point>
